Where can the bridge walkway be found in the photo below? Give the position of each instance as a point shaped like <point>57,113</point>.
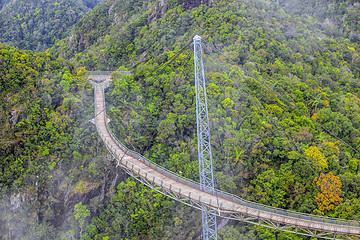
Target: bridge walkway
<point>220,203</point>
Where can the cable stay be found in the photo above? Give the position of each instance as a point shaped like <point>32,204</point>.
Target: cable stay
<point>158,70</point>
<point>283,98</point>
<point>294,146</point>
<point>218,203</point>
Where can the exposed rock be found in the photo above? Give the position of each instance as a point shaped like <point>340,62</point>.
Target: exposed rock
<point>15,202</point>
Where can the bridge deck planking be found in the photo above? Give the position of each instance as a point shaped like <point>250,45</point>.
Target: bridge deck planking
<point>188,191</point>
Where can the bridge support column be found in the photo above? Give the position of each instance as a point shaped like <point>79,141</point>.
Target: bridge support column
<point>203,136</point>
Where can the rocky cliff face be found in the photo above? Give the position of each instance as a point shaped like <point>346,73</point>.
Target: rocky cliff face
<point>23,212</point>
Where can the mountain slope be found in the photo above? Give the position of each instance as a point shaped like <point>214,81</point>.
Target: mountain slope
<point>316,71</point>
<point>37,25</point>
<point>44,101</point>
<point>313,69</point>
<point>336,18</point>
<point>55,173</point>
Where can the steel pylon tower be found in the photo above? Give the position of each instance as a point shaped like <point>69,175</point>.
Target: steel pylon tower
<point>203,136</point>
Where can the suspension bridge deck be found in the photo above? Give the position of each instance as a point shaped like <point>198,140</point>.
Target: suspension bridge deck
<point>219,203</point>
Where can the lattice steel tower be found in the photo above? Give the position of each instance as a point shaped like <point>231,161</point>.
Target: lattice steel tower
<point>203,136</point>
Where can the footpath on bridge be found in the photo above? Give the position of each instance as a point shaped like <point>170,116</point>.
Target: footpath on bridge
<point>220,203</point>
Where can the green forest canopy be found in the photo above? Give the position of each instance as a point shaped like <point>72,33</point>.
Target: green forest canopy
<point>313,69</point>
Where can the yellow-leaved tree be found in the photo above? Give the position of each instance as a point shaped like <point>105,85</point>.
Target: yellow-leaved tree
<point>329,197</point>
<point>317,157</point>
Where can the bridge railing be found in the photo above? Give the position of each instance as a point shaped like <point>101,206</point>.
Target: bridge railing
<point>219,193</point>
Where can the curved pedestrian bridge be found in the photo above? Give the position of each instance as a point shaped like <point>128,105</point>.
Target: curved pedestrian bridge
<point>220,203</point>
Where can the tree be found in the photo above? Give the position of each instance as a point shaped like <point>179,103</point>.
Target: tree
<point>317,157</point>
<point>81,213</point>
<point>167,127</point>
<point>227,103</point>
<point>330,187</point>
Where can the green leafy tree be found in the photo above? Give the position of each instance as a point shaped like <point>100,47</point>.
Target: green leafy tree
<point>81,213</point>
<point>315,154</point>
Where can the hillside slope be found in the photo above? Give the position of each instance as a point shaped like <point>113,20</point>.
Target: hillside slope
<point>45,102</point>
<point>314,69</point>
<point>37,25</point>
<point>155,115</point>
<point>55,173</point>
<point>336,18</point>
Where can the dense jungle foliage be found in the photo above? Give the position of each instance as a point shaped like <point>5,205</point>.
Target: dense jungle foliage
<point>37,25</point>
<point>42,97</point>
<point>55,172</point>
<point>314,70</point>
<point>77,194</point>
<point>41,162</point>
<point>336,18</point>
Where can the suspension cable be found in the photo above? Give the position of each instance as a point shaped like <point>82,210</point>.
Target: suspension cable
<point>280,96</point>
<point>163,95</point>
<point>158,103</point>
<point>221,143</point>
<point>273,122</point>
